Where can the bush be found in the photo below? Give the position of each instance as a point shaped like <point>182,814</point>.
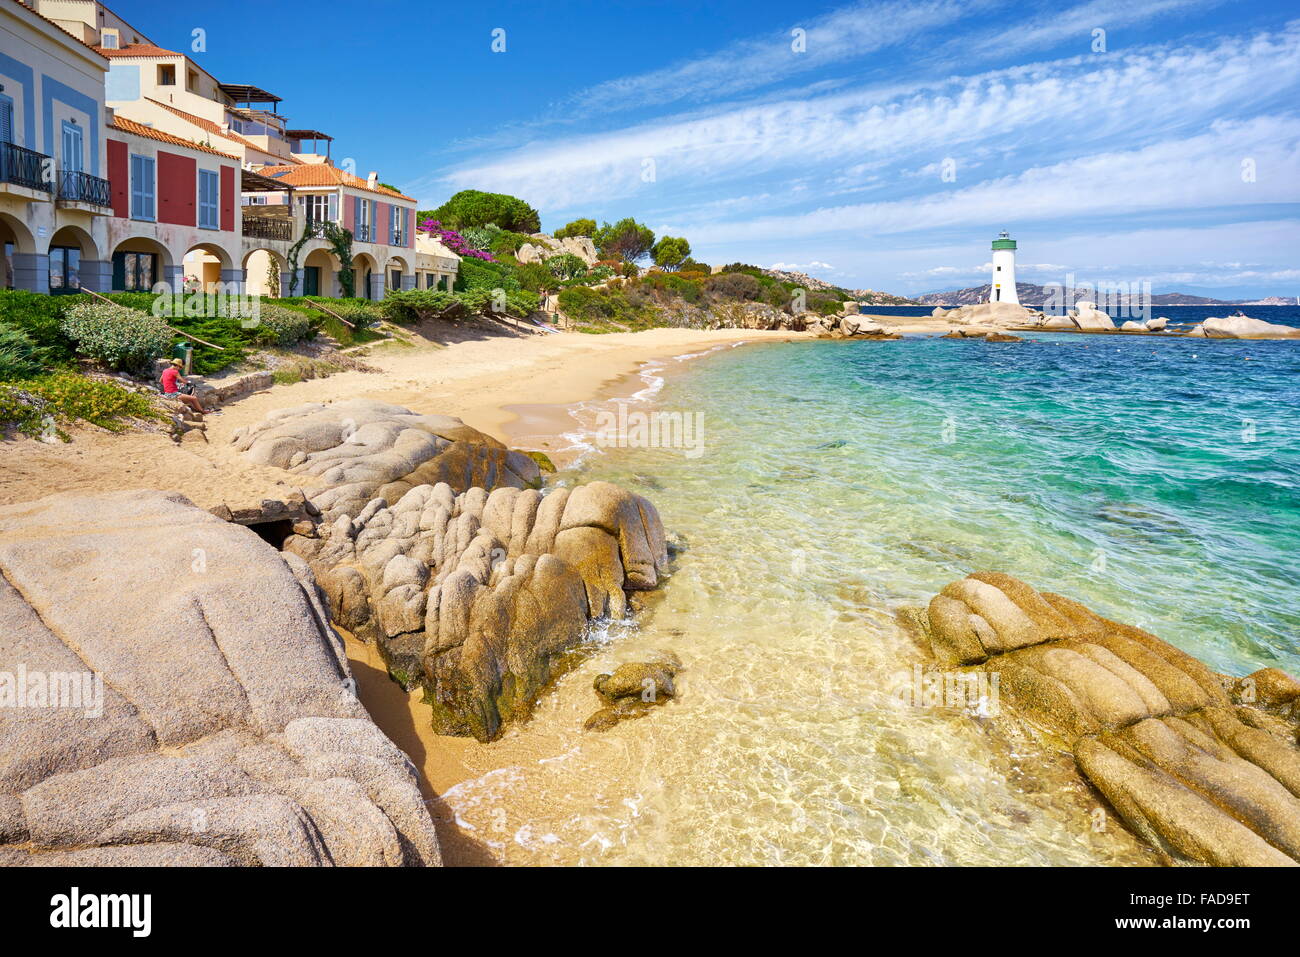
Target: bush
<point>20,357</point>
<point>282,326</point>
<point>35,407</point>
<point>41,319</point>
<point>121,338</point>
<point>626,239</point>
<point>735,285</point>
<point>415,305</point>
<point>566,266</point>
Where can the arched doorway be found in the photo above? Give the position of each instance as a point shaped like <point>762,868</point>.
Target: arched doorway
<point>263,273</point>
<point>366,277</point>
<point>19,255</point>
<point>74,262</point>
<point>140,263</point>
<point>319,275</point>
<point>206,265</point>
<point>395,274</point>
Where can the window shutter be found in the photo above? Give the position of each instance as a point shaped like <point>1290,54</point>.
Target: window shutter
<point>334,207</point>
<point>6,120</point>
<point>137,187</point>
<point>149,197</point>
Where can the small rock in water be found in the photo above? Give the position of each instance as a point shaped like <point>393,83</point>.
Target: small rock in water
<point>633,689</point>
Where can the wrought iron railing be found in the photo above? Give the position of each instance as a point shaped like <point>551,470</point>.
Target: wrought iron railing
<point>268,227</point>
<point>84,188</point>
<point>24,167</point>
<point>363,233</point>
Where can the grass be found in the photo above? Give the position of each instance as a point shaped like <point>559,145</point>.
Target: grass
<point>37,407</point>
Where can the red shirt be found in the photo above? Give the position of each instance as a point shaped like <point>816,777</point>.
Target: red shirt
<point>169,377</point>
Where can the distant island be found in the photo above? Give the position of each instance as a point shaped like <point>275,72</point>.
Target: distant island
<point>1032,295</point>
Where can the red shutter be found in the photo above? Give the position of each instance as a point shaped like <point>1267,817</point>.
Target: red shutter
<point>228,198</point>
<point>178,186</point>
<point>119,178</point>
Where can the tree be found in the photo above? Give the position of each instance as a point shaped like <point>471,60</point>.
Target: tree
<point>671,251</point>
<point>579,227</point>
<point>627,240</point>
<point>472,207</point>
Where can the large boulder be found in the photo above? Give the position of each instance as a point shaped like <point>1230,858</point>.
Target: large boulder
<point>173,693</point>
<point>1201,778</point>
<point>360,449</point>
<point>1089,318</point>
<point>477,596</point>
<point>1243,327</point>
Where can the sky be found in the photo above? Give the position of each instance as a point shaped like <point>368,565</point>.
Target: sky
<point>876,144</point>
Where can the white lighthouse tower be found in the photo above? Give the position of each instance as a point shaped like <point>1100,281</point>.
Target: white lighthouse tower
<point>1003,288</point>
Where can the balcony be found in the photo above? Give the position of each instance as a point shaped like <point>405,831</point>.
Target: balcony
<point>363,233</point>
<point>25,168</point>
<point>77,187</point>
<point>269,227</point>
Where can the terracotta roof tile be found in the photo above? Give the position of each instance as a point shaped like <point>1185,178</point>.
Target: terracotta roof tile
<point>206,125</point>
<point>148,132</point>
<point>322,174</point>
<point>135,49</point>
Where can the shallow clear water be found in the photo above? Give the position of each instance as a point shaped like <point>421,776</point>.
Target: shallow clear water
<point>1156,480</point>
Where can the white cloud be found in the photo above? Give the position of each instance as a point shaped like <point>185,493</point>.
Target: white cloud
<point>1063,105</point>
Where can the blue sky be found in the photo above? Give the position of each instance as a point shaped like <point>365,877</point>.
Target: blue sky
<point>885,153</point>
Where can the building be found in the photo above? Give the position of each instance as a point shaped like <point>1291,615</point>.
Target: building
<point>1003,287</point>
<point>54,191</point>
<point>162,172</point>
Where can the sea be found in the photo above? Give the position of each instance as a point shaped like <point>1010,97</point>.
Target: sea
<point>834,486</point>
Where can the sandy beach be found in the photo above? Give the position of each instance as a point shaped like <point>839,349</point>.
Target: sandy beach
<point>481,380</point>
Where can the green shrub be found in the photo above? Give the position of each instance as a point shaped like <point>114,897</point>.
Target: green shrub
<point>37,406</point>
<point>416,305</point>
<point>282,326</point>
<point>41,319</point>
<point>579,227</point>
<point>119,337</point>
<point>20,357</point>
<point>566,266</point>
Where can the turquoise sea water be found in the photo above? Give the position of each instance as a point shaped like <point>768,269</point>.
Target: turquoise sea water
<point>1156,480</point>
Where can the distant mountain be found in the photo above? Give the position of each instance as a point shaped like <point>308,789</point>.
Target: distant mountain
<point>1038,296</point>
<point>868,297</point>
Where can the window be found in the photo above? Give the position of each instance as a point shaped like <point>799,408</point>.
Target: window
<point>6,119</point>
<point>399,225</point>
<point>319,208</point>
<point>999,269</point>
<point>142,188</point>
<point>254,200</point>
<point>166,75</point>
<point>209,192</point>
<point>65,267</point>
<point>192,82</point>
<point>109,39</point>
<point>71,147</point>
<point>134,272</point>
<point>430,280</point>
<point>395,279</point>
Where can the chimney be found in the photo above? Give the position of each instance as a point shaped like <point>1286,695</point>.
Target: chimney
<point>372,180</point>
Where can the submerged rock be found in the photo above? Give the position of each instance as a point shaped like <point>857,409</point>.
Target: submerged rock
<point>226,729</point>
<point>1150,726</point>
<point>633,689</point>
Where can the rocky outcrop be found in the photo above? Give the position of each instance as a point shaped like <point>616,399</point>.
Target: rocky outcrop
<point>174,694</point>
<point>360,450</point>
<point>1204,773</point>
<point>1243,327</point>
<point>544,247</point>
<point>1088,318</point>
<point>848,326</point>
<point>476,596</point>
<point>999,314</point>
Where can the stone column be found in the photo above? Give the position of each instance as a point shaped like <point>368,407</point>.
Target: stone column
<point>174,276</point>
<point>286,279</point>
<point>409,281</point>
<point>233,280</point>
<point>451,281</point>
<point>96,275</point>
<point>377,285</point>
<point>32,272</point>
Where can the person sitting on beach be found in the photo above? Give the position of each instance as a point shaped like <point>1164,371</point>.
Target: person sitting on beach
<point>172,380</point>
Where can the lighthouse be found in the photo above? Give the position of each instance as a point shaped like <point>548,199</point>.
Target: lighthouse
<point>1003,288</point>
